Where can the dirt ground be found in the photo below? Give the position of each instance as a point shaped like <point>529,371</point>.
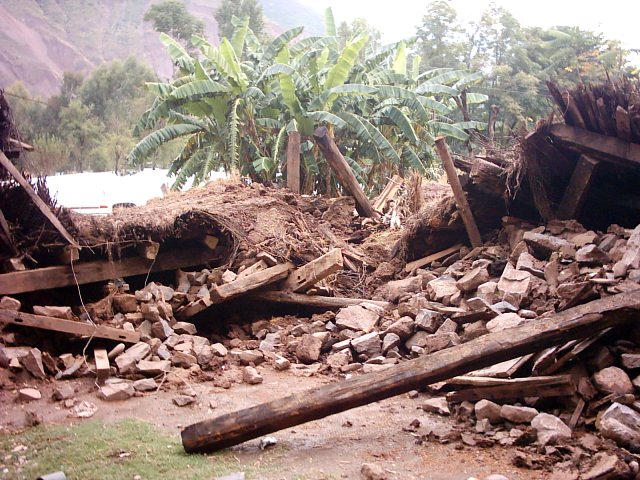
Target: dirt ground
<point>330,448</point>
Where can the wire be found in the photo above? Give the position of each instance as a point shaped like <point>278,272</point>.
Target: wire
<point>84,350</point>
<point>35,100</point>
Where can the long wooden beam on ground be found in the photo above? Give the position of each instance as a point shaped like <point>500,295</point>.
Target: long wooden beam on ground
<point>578,322</point>
<point>317,301</point>
<point>101,270</point>
<point>458,193</point>
<point>68,326</point>
<point>610,149</point>
<point>44,208</point>
<point>304,277</point>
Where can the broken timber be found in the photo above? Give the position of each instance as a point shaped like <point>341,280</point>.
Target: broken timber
<point>228,291</point>
<point>301,279</point>
<point>68,326</point>
<point>458,193</point>
<point>421,262</point>
<point>314,300</point>
<point>478,388</point>
<point>576,191</point>
<point>343,171</point>
<point>44,208</point>
<point>98,271</point>
<point>578,322</point>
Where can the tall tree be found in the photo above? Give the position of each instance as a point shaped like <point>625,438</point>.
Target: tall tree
<point>173,18</point>
<point>439,36</point>
<point>251,9</point>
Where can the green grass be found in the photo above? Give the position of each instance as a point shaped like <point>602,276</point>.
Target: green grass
<point>93,450</point>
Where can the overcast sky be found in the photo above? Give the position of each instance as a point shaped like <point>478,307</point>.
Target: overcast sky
<point>397,19</point>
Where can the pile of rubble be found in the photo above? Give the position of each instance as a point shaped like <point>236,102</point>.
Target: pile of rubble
<point>527,273</point>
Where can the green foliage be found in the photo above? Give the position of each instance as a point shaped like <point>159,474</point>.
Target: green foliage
<point>251,9</point>
<point>235,104</point>
<point>92,450</point>
<point>171,17</point>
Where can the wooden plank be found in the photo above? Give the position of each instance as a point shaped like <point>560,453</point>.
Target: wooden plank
<point>343,171</point>
<point>623,124</point>
<point>314,300</point>
<point>605,148</point>
<point>576,413</point>
<point>44,208</point>
<point>98,271</point>
<point>293,162</point>
<point>241,286</point>
<point>389,192</point>
<point>576,192</point>
<point>468,381</point>
<point>103,369</point>
<point>572,113</point>
<point>5,235</point>
<point>256,267</point>
<point>236,427</point>
<point>301,279</point>
<point>512,392</point>
<point>503,369</point>
<point>434,257</point>
<point>458,193</point>
<point>68,326</point>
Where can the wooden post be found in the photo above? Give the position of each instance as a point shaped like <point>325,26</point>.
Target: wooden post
<point>293,162</point>
<point>343,171</point>
<point>458,193</point>
<point>237,427</point>
<point>576,191</point>
<point>44,208</point>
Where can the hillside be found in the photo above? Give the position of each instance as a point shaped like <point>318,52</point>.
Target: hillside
<point>42,38</point>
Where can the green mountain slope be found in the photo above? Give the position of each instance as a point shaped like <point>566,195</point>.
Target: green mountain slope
<point>41,39</point>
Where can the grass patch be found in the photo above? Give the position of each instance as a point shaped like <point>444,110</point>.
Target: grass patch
<point>93,450</point>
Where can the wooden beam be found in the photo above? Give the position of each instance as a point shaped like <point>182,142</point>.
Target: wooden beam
<point>572,112</point>
<point>301,279</point>
<point>623,124</point>
<point>256,267</point>
<point>5,235</point>
<point>576,192</point>
<point>558,165</point>
<point>98,271</point>
<point>293,162</point>
<point>236,427</point>
<point>316,301</point>
<point>69,326</point>
<point>241,286</point>
<point>343,171</point>
<point>605,148</point>
<point>388,193</point>
<point>458,193</point>
<point>501,389</point>
<point>434,257</point>
<point>44,208</point>
<point>103,369</point>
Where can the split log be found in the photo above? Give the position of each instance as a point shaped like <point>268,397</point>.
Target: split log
<point>576,192</point>
<point>315,301</point>
<point>237,427</point>
<point>510,389</point>
<point>98,271</point>
<point>488,177</point>
<point>623,124</point>
<point>293,162</point>
<point>44,208</point>
<point>241,286</point>
<point>308,275</point>
<point>458,193</point>
<point>434,257</point>
<point>68,326</point>
<point>343,171</point>
<point>572,114</point>
<point>605,148</point>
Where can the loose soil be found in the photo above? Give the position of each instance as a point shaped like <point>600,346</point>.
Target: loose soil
<point>333,447</point>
